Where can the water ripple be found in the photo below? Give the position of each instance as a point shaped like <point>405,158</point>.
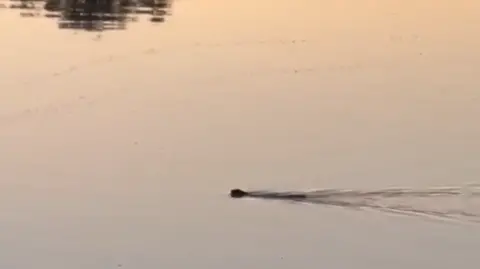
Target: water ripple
<point>448,203</point>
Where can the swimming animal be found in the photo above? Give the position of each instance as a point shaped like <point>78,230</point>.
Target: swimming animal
<point>238,193</point>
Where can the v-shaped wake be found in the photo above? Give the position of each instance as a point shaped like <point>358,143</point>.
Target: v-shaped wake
<point>447,203</point>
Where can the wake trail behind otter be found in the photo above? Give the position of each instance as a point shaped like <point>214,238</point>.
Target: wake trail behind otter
<point>447,203</point>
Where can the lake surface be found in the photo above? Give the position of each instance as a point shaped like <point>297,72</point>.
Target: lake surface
<point>119,150</point>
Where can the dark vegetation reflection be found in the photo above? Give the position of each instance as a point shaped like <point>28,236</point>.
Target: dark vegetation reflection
<point>92,15</point>
<point>452,203</point>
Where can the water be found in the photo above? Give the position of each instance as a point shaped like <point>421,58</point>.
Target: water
<point>119,150</point>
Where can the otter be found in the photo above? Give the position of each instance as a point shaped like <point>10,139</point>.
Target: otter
<point>238,193</point>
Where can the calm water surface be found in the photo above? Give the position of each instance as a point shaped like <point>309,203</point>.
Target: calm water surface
<point>120,151</point>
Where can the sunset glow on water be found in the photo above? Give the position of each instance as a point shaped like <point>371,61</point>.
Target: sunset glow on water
<point>119,148</point>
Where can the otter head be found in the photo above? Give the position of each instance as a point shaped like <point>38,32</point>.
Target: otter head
<point>237,193</point>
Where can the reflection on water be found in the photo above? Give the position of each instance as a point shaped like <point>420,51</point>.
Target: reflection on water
<point>93,15</point>
<point>120,151</point>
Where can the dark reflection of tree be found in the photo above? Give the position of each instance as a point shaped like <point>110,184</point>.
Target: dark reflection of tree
<point>96,15</point>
